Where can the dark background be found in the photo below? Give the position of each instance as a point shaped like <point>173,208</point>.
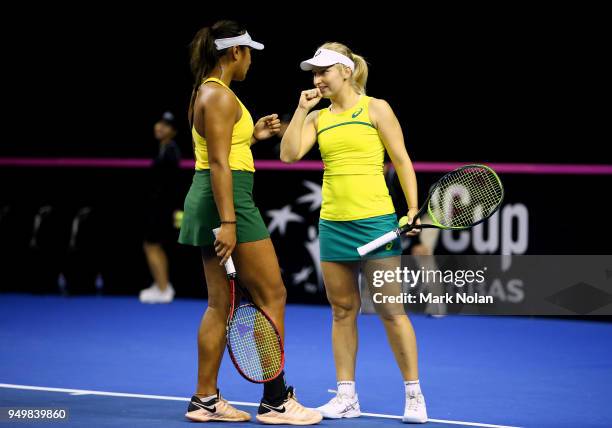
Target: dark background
<point>468,83</point>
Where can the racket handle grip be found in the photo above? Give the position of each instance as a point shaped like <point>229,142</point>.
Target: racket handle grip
<point>378,242</point>
<point>229,264</point>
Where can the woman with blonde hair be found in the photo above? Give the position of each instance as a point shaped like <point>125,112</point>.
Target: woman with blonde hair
<point>353,134</point>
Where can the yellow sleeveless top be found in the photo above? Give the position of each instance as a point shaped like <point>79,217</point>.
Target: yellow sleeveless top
<point>354,186</point>
<point>240,156</point>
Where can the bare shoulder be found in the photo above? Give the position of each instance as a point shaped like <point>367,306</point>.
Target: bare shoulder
<point>380,112</point>
<point>216,97</point>
<point>378,105</point>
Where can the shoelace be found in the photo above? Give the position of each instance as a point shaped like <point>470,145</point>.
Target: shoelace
<point>296,405</point>
<point>229,407</point>
<point>413,402</point>
<point>338,399</point>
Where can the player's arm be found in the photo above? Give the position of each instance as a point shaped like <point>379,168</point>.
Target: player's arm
<point>301,134</point>
<point>390,132</point>
<point>221,111</point>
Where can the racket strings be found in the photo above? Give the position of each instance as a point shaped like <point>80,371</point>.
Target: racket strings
<point>254,343</point>
<point>465,197</point>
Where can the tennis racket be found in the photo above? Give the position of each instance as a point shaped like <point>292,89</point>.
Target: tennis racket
<point>253,341</point>
<point>461,199</point>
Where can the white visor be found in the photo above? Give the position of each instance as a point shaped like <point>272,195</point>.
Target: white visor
<point>325,58</point>
<point>241,40</point>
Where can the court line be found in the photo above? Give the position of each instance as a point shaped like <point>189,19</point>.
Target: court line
<point>238,403</point>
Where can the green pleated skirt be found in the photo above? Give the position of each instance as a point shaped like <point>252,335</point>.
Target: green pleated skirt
<point>201,216</point>
<point>339,240</point>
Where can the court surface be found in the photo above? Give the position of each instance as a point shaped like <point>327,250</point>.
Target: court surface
<point>111,361</point>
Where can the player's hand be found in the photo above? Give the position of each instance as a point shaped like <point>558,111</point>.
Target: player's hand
<point>309,98</point>
<point>411,213</point>
<point>266,127</point>
<point>225,242</point>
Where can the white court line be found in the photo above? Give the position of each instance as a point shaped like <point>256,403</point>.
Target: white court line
<point>238,403</point>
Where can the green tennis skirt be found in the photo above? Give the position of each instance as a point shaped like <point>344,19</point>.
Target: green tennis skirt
<point>201,216</point>
<point>338,240</point>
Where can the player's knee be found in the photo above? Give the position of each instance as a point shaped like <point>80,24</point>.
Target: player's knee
<point>392,317</point>
<point>275,295</point>
<point>218,302</point>
<point>345,309</point>
<point>218,313</point>
<point>268,292</point>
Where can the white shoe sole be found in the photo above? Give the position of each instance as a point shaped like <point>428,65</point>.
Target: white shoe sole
<point>155,301</point>
<point>276,420</point>
<point>411,420</point>
<point>156,298</point>
<point>347,415</point>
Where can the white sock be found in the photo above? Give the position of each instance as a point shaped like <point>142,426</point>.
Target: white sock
<point>413,387</point>
<point>346,387</point>
<point>207,399</point>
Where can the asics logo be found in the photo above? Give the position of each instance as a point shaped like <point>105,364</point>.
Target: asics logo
<point>276,409</point>
<point>349,407</point>
<point>357,113</point>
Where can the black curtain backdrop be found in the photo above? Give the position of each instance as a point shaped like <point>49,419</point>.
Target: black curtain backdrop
<point>468,83</point>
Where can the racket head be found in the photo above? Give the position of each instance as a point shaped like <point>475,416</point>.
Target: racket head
<point>254,344</point>
<point>465,197</point>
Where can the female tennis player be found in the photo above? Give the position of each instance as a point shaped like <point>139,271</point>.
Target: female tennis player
<point>353,133</point>
<point>220,194</point>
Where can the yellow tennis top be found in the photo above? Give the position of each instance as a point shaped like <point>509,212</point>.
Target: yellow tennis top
<point>354,186</point>
<point>240,157</point>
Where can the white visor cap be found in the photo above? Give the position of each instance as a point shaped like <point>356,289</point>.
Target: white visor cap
<point>241,40</point>
<point>325,58</point>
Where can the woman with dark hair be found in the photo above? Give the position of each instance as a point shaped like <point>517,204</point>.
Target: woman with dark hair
<point>221,195</point>
<point>163,179</point>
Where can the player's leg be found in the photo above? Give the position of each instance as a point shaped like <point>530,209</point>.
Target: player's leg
<point>206,404</point>
<point>158,263</point>
<point>258,270</point>
<point>161,291</point>
<point>402,339</point>
<point>342,291</point>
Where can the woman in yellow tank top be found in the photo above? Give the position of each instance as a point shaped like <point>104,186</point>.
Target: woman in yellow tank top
<point>353,134</point>
<point>221,194</point>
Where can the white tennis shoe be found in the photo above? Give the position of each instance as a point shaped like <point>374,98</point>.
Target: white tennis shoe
<point>154,294</point>
<point>415,411</point>
<point>341,406</point>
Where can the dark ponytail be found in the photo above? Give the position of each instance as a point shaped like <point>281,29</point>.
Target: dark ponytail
<point>205,56</point>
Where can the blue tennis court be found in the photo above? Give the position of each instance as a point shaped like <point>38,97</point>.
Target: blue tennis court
<point>111,361</point>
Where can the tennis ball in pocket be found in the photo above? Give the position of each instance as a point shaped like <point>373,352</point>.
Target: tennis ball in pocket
<point>178,219</point>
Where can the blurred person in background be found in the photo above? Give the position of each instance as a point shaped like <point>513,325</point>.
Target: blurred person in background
<point>161,203</point>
